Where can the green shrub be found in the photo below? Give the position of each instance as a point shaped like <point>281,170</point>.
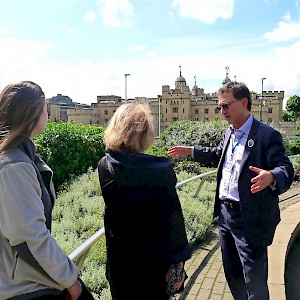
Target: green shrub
<point>295,143</point>
<point>189,133</point>
<point>287,142</point>
<point>77,215</point>
<point>70,149</point>
<point>194,133</point>
<point>295,146</point>
<point>197,210</point>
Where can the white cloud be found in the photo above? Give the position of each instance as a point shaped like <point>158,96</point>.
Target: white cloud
<point>66,28</point>
<point>205,11</point>
<point>138,48</point>
<point>3,31</point>
<point>152,53</point>
<point>21,60</point>
<point>24,51</point>
<point>286,30</point>
<point>90,16</point>
<point>116,13</point>
<point>87,79</point>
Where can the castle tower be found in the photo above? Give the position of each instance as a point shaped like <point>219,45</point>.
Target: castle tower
<point>227,79</point>
<point>176,102</point>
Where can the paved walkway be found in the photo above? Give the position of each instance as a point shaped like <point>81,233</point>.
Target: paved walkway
<point>206,276</point>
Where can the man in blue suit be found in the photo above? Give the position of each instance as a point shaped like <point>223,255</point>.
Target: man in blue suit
<point>253,170</point>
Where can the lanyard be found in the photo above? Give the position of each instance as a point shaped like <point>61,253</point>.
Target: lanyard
<point>234,146</point>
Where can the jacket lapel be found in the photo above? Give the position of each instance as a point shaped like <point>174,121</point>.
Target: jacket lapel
<point>252,138</point>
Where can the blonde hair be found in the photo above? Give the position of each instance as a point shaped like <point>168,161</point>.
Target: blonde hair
<point>21,105</point>
<point>131,128</point>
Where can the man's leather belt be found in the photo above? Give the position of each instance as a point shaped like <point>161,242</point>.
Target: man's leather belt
<point>231,204</point>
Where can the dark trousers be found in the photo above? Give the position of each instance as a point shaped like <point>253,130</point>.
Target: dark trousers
<point>245,265</point>
<point>50,297</point>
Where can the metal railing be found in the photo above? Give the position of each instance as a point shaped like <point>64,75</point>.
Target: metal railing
<point>79,255</point>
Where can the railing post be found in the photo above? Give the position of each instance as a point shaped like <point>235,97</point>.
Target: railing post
<point>200,186</point>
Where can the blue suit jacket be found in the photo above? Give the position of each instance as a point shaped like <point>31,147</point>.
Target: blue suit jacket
<point>260,211</point>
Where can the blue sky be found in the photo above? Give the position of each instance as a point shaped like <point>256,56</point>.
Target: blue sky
<point>83,48</point>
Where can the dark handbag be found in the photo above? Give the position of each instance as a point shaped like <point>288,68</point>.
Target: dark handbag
<point>175,275</point>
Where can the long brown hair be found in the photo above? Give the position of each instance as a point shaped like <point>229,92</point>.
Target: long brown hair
<point>21,105</point>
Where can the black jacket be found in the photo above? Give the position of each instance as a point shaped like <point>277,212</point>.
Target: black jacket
<point>260,211</point>
<point>143,220</point>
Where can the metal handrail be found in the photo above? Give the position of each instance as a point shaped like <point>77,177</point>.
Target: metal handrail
<point>79,255</point>
<point>202,176</point>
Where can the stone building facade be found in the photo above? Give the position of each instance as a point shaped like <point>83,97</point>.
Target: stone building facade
<point>180,103</point>
<point>57,107</point>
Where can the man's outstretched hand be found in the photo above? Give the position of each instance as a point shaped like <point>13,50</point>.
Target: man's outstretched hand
<point>179,151</point>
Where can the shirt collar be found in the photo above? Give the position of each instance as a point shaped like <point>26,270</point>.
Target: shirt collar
<point>245,127</point>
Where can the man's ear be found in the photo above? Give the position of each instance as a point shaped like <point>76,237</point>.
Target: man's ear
<point>245,102</point>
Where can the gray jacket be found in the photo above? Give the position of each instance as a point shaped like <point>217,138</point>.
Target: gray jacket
<point>31,262</point>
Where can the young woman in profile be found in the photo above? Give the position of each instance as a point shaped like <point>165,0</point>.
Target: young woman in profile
<point>32,264</point>
<point>144,225</point>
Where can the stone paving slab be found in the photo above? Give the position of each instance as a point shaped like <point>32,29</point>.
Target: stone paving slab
<point>205,270</point>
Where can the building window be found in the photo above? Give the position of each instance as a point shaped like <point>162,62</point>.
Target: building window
<point>183,110</point>
<point>196,119</point>
<point>206,119</point>
<point>217,110</point>
<point>166,110</point>
<point>206,110</point>
<point>106,112</point>
<point>175,109</point>
<point>196,111</point>
<point>175,119</point>
<point>269,120</point>
<point>270,110</point>
<point>106,121</point>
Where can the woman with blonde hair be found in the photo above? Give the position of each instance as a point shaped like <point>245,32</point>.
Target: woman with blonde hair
<point>144,225</point>
<point>33,266</point>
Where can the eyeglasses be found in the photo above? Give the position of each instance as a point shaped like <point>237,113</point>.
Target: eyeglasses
<point>225,105</point>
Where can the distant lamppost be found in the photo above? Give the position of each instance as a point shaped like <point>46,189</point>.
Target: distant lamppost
<point>159,100</point>
<point>261,99</point>
<point>126,86</point>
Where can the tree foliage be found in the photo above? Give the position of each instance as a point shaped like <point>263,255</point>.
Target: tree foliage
<point>293,107</point>
<point>287,116</point>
